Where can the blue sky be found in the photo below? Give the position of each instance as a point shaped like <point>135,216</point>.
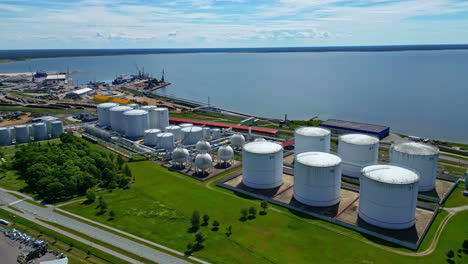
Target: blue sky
<point>229,23</point>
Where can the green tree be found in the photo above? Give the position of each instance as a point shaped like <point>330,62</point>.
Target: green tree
<point>199,238</point>
<point>229,230</point>
<point>450,254</point>
<point>120,161</point>
<point>195,220</point>
<point>465,244</point>
<point>252,212</point>
<point>244,213</point>
<point>215,225</point>
<point>264,206</point>
<point>112,214</point>
<point>206,218</point>
<point>90,196</point>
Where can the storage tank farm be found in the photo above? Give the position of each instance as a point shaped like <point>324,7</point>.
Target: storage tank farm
<point>151,115</point>
<point>421,158</point>
<point>5,136</point>
<point>56,128</point>
<point>48,121</point>
<point>165,141</point>
<point>317,178</point>
<point>116,115</point>
<point>174,130</point>
<point>311,139</point>
<point>356,152</point>
<point>22,134</point>
<point>136,122</point>
<point>40,131</point>
<point>388,196</point>
<point>103,112</point>
<point>191,135</point>
<point>151,136</point>
<point>162,117</point>
<point>262,165</point>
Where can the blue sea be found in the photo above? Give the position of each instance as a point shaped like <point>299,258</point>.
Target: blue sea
<point>420,93</point>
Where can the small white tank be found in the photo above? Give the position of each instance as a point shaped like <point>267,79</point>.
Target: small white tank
<point>260,140</point>
<point>136,122</point>
<point>116,114</point>
<point>225,153</point>
<point>152,116</point>
<point>40,131</point>
<point>56,128</point>
<point>419,157</point>
<point>237,140</point>
<point>133,106</point>
<point>215,133</point>
<point>185,125</point>
<point>174,130</point>
<point>311,139</point>
<point>151,137</point>
<point>206,133</point>
<point>162,117</point>
<point>180,155</point>
<point>388,196</point>
<point>22,134</point>
<point>191,135</point>
<point>203,161</point>
<point>203,146</point>
<point>357,151</point>
<point>262,165</point>
<point>104,113</point>
<point>317,178</point>
<point>5,136</point>
<point>165,141</point>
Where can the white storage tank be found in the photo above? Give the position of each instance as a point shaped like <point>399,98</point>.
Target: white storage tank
<point>40,131</point>
<point>225,153</point>
<point>48,121</point>
<point>136,122</point>
<point>203,161</point>
<point>56,128</point>
<point>151,137</point>
<point>308,139</point>
<point>117,118</point>
<point>152,116</point>
<point>317,178</point>
<point>388,196</point>
<point>206,133</point>
<point>215,133</point>
<point>203,146</point>
<point>104,113</point>
<point>22,134</point>
<point>262,165</point>
<point>180,155</point>
<point>356,152</point>
<point>174,130</point>
<point>162,117</point>
<point>419,157</point>
<point>165,141</point>
<point>185,125</point>
<point>237,140</point>
<point>133,106</point>
<point>191,135</point>
<point>5,136</point>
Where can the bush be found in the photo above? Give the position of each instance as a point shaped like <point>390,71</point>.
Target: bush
<point>90,196</point>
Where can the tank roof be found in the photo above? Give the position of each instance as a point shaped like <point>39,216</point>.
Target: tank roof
<point>165,134</point>
<point>390,174</point>
<point>148,107</point>
<point>262,147</point>
<point>107,105</point>
<point>359,139</point>
<point>135,112</point>
<point>191,129</point>
<point>172,127</point>
<point>161,109</point>
<point>312,131</point>
<point>318,159</point>
<point>415,148</point>
<point>153,130</point>
<point>121,108</point>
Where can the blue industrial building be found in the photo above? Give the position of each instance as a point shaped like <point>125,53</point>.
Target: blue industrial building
<point>340,127</point>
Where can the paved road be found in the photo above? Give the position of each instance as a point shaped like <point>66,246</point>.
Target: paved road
<point>107,237</point>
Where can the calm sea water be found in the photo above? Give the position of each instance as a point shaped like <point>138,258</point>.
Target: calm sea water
<point>421,93</point>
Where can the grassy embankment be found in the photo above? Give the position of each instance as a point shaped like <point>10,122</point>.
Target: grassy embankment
<point>162,202</point>
<point>40,110</point>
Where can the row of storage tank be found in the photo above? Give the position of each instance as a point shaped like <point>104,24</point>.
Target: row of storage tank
<point>388,193</point>
<point>25,133</point>
<point>203,160</point>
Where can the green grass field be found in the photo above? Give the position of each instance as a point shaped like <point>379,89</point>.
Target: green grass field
<point>158,207</point>
<point>457,198</point>
<point>40,110</point>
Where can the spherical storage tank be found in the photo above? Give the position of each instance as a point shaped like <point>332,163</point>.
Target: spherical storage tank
<point>237,140</point>
<point>180,155</point>
<point>203,161</point>
<point>151,136</point>
<point>117,118</point>
<point>356,152</point>
<point>22,134</point>
<point>191,135</point>
<point>165,141</point>
<point>103,112</point>
<point>419,157</point>
<point>40,131</point>
<point>262,165</point>
<point>136,122</point>
<point>162,117</point>
<point>203,146</point>
<point>225,153</point>
<point>152,116</point>
<point>317,178</point>
<point>174,130</point>
<point>5,136</point>
<point>56,129</point>
<point>311,139</point>
<point>388,196</point>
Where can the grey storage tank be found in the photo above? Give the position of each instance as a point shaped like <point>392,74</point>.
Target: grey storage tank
<point>56,128</point>
<point>40,131</point>
<point>22,134</point>
<point>5,136</point>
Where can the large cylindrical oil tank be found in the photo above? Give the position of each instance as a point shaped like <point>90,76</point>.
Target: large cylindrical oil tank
<point>419,157</point>
<point>165,141</point>
<point>191,135</point>
<point>388,196</point>
<point>317,178</point>
<point>136,122</point>
<point>104,113</point>
<point>162,117</point>
<point>203,146</point>
<point>48,121</point>
<point>215,133</point>
<point>151,136</point>
<point>56,128</point>
<point>356,152</point>
<point>237,140</point>
<point>262,165</point>
<point>5,136</point>
<point>174,130</point>
<point>203,161</point>
<point>152,116</point>
<point>22,134</point>
<point>117,118</point>
<point>308,139</point>
<point>40,131</point>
